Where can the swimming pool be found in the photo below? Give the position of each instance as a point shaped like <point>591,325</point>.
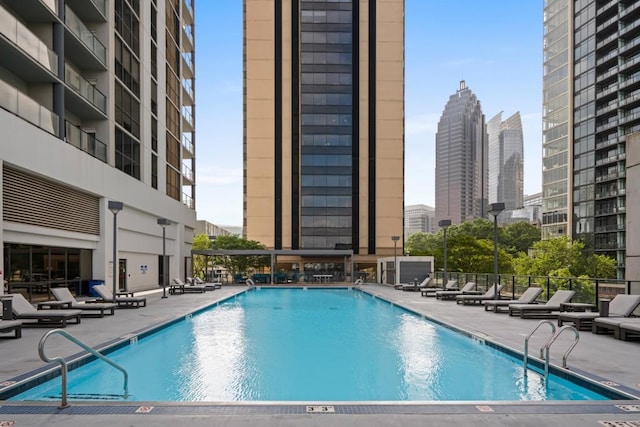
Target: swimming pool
<point>310,345</point>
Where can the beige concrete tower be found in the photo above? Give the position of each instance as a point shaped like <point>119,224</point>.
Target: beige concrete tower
<point>324,125</point>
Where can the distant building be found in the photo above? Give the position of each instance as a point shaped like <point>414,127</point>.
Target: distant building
<point>531,212</point>
<point>419,218</point>
<point>506,169</point>
<point>205,227</point>
<point>461,159</point>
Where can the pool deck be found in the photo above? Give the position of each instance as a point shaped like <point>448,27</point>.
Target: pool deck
<point>606,359</point>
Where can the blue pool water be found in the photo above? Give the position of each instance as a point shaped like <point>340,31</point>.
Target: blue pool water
<point>309,345</point>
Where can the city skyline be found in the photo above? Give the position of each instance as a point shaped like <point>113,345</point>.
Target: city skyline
<point>501,61</point>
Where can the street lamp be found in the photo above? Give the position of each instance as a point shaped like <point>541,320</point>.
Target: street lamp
<point>444,224</point>
<point>163,222</point>
<point>495,209</point>
<point>395,258</point>
<point>115,207</point>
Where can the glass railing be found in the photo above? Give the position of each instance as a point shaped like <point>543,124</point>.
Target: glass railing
<point>188,200</point>
<point>86,142</point>
<point>187,141</point>
<point>187,172</point>
<point>189,6</point>
<point>15,31</point>
<point>187,114</point>
<point>187,84</point>
<point>188,59</point>
<point>84,88</point>
<point>188,31</point>
<point>16,102</point>
<point>87,36</point>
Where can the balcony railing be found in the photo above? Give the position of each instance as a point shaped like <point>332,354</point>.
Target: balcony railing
<point>15,31</point>
<point>188,200</point>
<point>87,36</point>
<point>16,102</point>
<point>187,84</point>
<point>187,172</point>
<point>187,141</point>
<point>84,88</point>
<point>86,142</point>
<point>101,5</point>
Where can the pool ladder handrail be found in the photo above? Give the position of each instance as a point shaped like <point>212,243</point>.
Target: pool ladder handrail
<point>555,336</point>
<point>525,359</point>
<point>63,363</point>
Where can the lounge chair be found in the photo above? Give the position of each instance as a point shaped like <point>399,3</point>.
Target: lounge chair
<point>606,324</point>
<point>189,288</point>
<point>528,297</point>
<point>549,310</point>
<point>415,287</point>
<point>207,285</point>
<point>468,289</point>
<point>122,300</point>
<point>452,285</point>
<point>629,328</point>
<point>11,325</point>
<point>97,309</point>
<point>620,306</point>
<point>23,310</point>
<point>491,294</point>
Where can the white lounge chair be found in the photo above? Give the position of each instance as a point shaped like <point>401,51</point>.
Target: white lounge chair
<point>11,325</point>
<point>207,285</point>
<point>491,294</point>
<point>123,301</point>
<point>23,310</point>
<point>621,305</point>
<point>528,297</point>
<point>468,289</point>
<point>542,310</point>
<point>451,285</point>
<point>614,324</point>
<point>188,288</point>
<point>97,309</point>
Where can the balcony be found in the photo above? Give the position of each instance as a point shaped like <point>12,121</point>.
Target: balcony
<point>187,145</point>
<point>40,63</point>
<point>16,102</point>
<point>609,56</point>
<point>83,45</point>
<point>88,92</point>
<point>627,10</point>
<point>187,11</point>
<point>607,23</point>
<point>187,118</point>
<point>187,85</point>
<point>607,124</point>
<point>188,201</point>
<point>89,10</point>
<point>187,174</point>
<point>605,7</point>
<point>86,142</point>
<point>187,62</point>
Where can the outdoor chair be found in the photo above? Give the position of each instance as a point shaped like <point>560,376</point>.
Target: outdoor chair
<point>11,325</point>
<point>452,285</point>
<point>528,297</point>
<point>23,310</point>
<point>491,294</point>
<point>549,310</point>
<point>189,288</point>
<point>628,329</point>
<point>97,309</point>
<point>208,285</point>
<point>468,289</point>
<point>614,324</point>
<point>414,287</point>
<point>620,306</point>
<point>122,300</point>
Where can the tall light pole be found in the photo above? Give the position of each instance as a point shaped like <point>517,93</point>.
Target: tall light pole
<point>163,222</point>
<point>115,207</point>
<point>444,224</point>
<point>495,209</point>
<point>395,258</point>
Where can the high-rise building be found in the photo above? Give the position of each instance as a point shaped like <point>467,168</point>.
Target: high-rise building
<point>324,126</point>
<point>96,106</point>
<point>419,218</point>
<point>506,169</point>
<point>590,94</point>
<point>461,159</point>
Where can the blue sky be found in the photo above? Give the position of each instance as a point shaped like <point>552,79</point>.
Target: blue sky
<point>494,45</point>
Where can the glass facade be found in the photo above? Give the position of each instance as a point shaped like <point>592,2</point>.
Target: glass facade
<point>326,118</point>
<point>555,120</point>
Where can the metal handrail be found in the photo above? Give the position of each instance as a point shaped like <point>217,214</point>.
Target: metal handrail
<point>566,354</point>
<point>525,359</point>
<point>63,363</point>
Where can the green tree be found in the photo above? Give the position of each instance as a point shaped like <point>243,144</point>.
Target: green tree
<point>465,253</point>
<point>423,243</point>
<point>200,242</point>
<point>240,263</point>
<point>520,237</point>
